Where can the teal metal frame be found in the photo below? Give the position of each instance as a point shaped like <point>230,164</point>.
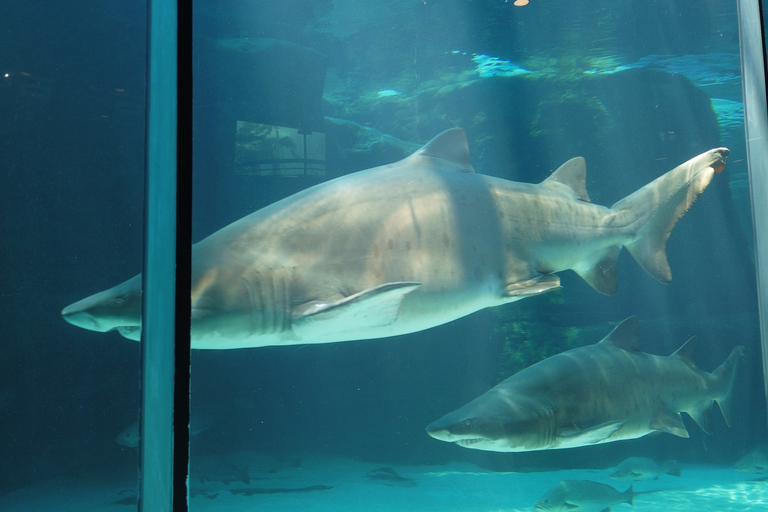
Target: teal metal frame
<point>164,425</point>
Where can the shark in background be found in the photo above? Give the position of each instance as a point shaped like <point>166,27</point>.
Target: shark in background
<point>408,246</point>
<point>595,394</point>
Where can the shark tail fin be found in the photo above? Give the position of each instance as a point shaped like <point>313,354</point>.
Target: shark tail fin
<point>725,376</point>
<point>656,208</point>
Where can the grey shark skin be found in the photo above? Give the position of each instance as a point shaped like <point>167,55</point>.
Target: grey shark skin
<point>595,394</point>
<point>407,246</point>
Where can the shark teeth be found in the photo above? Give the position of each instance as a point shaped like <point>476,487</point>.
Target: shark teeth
<point>467,442</point>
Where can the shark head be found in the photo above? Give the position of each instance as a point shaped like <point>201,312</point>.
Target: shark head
<point>497,421</point>
<point>117,309</point>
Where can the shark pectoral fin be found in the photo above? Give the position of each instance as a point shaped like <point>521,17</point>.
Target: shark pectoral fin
<point>602,275</point>
<point>537,285</point>
<point>593,435</point>
<point>132,332</point>
<point>671,423</point>
<point>377,306</point>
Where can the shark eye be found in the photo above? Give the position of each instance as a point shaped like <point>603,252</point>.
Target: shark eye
<point>119,300</point>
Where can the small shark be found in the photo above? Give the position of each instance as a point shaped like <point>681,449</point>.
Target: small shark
<point>595,394</point>
<point>644,468</point>
<point>583,495</point>
<point>408,246</point>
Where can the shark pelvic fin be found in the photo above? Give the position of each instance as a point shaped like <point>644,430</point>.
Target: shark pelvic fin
<point>378,306</point>
<point>572,174</point>
<point>451,145</point>
<point>671,423</point>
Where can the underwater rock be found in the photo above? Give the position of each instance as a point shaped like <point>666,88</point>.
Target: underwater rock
<point>525,124</point>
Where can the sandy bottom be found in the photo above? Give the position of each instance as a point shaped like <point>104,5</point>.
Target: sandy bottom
<point>340,485</point>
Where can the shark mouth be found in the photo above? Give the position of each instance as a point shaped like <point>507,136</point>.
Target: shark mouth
<point>470,441</point>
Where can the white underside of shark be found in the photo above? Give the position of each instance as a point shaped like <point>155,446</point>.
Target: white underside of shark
<point>408,246</point>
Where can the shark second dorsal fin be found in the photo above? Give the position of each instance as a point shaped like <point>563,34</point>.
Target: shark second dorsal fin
<point>624,336</point>
<point>572,174</point>
<point>687,353</point>
<point>451,145</point>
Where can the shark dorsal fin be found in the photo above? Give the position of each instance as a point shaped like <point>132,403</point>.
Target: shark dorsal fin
<point>572,174</point>
<point>687,353</point>
<point>451,145</point>
<point>624,336</point>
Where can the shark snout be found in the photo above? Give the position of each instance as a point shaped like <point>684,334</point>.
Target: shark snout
<point>76,315</point>
<point>440,433</point>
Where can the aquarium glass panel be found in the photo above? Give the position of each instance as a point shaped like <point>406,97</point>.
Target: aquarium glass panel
<point>448,255</point>
<point>490,288</point>
<point>72,104</point>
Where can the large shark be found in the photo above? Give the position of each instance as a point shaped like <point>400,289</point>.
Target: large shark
<point>407,246</point>
<point>595,394</point>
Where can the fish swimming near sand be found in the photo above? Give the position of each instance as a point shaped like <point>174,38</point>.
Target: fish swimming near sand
<point>755,461</point>
<point>408,246</point>
<point>583,496</point>
<point>644,468</point>
<point>594,394</point>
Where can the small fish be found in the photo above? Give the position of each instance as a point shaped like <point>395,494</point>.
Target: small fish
<point>755,461</point>
<point>130,436</point>
<point>583,495</point>
<point>388,476</point>
<point>643,468</point>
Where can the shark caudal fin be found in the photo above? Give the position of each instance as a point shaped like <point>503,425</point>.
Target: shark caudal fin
<point>725,376</point>
<point>658,206</point>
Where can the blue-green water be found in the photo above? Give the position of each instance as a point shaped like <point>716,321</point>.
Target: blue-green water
<point>636,88</point>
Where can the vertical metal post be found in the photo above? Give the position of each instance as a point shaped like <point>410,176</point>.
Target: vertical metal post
<point>162,481</point>
<point>756,125</point>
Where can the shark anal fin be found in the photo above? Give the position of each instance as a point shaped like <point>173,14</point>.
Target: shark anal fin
<point>702,415</point>
<point>602,275</point>
<point>535,286</point>
<point>374,307</point>
<point>671,423</point>
<point>595,434</point>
